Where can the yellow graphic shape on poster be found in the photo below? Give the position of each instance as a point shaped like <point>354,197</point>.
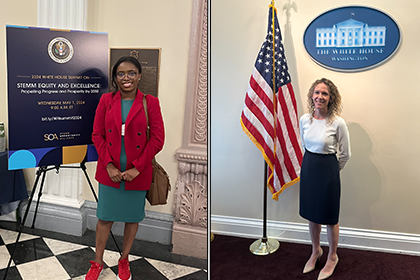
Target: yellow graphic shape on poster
<point>74,154</point>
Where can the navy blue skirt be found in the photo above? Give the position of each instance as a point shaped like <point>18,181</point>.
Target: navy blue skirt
<point>320,188</point>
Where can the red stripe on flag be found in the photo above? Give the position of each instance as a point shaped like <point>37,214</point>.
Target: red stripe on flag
<point>261,94</point>
<point>258,137</point>
<point>260,116</point>
<point>290,128</point>
<point>279,172</point>
<point>297,147</point>
<point>292,96</point>
<point>286,156</point>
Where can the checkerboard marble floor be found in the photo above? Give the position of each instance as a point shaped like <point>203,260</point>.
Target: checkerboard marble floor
<point>44,255</point>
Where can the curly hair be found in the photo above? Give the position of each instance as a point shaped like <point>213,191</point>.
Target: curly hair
<point>334,105</point>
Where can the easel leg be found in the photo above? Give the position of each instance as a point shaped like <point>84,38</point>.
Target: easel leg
<point>40,170</point>
<point>39,197</point>
<point>83,167</point>
<point>43,170</point>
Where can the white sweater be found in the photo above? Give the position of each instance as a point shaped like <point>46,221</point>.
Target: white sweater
<point>318,137</point>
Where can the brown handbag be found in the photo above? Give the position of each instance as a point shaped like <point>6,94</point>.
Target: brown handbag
<point>160,186</point>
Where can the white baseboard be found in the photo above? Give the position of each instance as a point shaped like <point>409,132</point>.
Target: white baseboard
<point>372,240</point>
<point>57,218</point>
<point>156,226</point>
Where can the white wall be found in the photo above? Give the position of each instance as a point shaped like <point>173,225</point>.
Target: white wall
<point>380,184</point>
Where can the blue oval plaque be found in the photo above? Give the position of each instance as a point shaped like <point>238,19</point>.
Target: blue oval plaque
<point>352,38</point>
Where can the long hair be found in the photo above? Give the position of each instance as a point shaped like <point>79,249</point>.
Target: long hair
<point>129,59</point>
<point>334,104</point>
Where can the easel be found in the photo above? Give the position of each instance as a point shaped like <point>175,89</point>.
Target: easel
<point>42,170</point>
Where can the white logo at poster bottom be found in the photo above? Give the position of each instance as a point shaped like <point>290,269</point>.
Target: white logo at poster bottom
<point>60,50</point>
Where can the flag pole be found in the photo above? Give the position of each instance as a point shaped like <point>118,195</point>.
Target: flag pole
<point>265,246</point>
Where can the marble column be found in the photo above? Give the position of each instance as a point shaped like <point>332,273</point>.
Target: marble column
<point>62,14</point>
<point>189,235</point>
<point>61,203</point>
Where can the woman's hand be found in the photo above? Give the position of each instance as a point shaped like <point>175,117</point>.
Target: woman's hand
<point>130,174</point>
<point>114,173</point>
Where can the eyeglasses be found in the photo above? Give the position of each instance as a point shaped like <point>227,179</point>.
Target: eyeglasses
<point>131,75</point>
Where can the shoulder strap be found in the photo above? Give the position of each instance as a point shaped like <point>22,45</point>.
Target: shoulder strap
<point>148,127</point>
<point>147,116</point>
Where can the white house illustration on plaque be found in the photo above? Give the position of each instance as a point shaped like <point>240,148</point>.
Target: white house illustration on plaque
<point>349,34</point>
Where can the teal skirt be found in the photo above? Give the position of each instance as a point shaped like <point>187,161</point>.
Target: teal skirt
<point>119,205</point>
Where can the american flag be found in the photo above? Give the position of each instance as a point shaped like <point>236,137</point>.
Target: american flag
<point>278,141</point>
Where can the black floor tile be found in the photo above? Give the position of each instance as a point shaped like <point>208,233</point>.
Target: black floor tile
<point>199,275</point>
<point>152,250</point>
<point>193,262</point>
<point>12,274</point>
<point>76,263</point>
<point>29,250</point>
<point>142,270</point>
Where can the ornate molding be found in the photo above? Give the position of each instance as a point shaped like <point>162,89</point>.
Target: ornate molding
<point>189,235</point>
<point>195,122</point>
<point>192,156</point>
<point>190,207</point>
<point>193,210</point>
<point>200,127</point>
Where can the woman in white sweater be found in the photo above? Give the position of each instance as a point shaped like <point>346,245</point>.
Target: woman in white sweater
<point>323,133</point>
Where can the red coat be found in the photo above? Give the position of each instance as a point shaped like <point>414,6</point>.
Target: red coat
<point>106,137</point>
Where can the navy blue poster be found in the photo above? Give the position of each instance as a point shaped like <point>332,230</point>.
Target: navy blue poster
<point>55,81</point>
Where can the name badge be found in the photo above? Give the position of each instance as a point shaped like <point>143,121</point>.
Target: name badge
<point>123,129</point>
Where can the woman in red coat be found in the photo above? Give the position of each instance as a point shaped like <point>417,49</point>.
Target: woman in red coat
<point>124,169</point>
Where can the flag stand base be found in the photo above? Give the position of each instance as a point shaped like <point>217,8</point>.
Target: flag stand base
<point>264,246</point>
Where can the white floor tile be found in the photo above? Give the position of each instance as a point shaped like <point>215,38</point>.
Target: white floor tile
<point>60,247</point>
<point>44,269</point>
<point>170,270</point>
<point>107,274</point>
<point>4,257</point>
<point>9,237</point>
<point>111,258</point>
